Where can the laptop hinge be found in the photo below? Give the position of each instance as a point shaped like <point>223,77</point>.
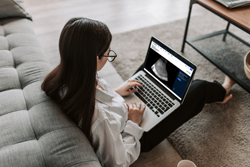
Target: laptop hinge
<point>161,87</point>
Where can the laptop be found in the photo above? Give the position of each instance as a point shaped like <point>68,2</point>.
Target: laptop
<point>166,78</point>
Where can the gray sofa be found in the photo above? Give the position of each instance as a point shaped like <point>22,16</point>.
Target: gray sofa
<point>34,131</point>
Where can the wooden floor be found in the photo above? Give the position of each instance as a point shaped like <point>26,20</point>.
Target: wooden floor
<point>49,17</point>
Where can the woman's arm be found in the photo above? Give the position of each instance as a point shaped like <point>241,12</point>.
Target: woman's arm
<point>114,148</point>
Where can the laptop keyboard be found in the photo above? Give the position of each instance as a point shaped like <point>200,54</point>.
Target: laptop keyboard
<point>152,97</point>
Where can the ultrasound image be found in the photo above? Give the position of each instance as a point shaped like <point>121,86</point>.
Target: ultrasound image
<point>160,69</point>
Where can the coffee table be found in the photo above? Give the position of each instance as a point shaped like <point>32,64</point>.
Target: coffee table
<point>240,17</point>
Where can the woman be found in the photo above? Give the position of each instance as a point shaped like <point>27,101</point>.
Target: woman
<point>111,125</point>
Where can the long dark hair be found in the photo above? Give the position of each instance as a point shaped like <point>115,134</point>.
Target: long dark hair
<point>81,41</point>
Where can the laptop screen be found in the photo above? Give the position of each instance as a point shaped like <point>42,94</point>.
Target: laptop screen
<point>166,66</point>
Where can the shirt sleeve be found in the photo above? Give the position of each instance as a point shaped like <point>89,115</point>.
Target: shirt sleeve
<point>114,148</point>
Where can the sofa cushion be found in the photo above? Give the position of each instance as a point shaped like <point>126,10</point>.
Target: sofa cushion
<point>6,59</point>
<point>13,8</point>
<point>31,72</point>
<point>13,26</point>
<point>26,54</point>
<point>9,79</point>
<point>3,43</point>
<point>23,154</point>
<point>19,123</point>
<point>11,101</point>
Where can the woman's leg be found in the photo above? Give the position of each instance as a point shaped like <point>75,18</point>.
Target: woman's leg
<point>199,94</point>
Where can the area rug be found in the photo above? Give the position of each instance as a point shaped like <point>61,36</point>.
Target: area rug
<point>220,134</point>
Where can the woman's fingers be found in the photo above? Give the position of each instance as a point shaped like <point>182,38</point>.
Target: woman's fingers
<point>133,84</point>
<point>139,105</point>
<point>143,109</point>
<point>134,90</point>
<point>133,80</point>
<point>134,105</point>
<point>130,105</point>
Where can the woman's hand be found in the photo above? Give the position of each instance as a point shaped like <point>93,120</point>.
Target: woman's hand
<point>123,90</point>
<point>135,113</point>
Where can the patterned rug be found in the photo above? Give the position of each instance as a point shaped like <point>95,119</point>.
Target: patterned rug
<point>220,134</point>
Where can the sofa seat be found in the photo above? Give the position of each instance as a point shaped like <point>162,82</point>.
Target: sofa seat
<point>34,131</point>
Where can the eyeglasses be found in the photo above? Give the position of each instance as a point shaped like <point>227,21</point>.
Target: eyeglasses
<point>111,56</point>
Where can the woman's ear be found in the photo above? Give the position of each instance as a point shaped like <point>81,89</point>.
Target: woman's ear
<point>98,58</point>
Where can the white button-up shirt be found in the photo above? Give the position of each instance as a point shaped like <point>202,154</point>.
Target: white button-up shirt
<point>115,138</point>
